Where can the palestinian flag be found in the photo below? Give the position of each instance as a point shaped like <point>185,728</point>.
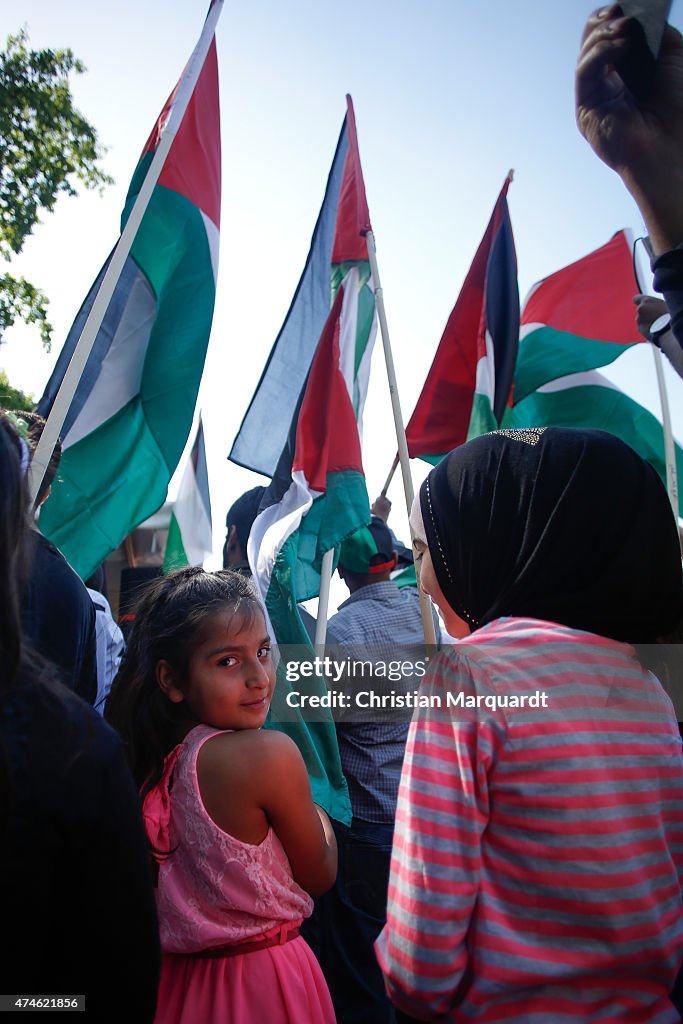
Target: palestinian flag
<point>468,385</point>
<point>578,319</point>
<point>132,413</point>
<point>317,498</point>
<point>337,246</point>
<point>590,400</point>
<point>189,533</point>
<point>303,429</point>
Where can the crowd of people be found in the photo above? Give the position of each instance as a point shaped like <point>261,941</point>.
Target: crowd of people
<point>515,851</point>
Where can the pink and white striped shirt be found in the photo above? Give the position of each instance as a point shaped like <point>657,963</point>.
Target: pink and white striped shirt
<point>538,853</point>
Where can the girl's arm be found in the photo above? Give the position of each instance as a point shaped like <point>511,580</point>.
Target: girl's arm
<point>302,827</point>
<point>253,778</point>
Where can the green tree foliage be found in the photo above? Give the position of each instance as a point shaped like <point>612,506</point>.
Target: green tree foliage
<point>13,398</point>
<point>19,299</point>
<point>45,144</point>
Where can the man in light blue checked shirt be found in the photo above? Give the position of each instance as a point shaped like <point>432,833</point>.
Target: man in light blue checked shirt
<point>379,623</point>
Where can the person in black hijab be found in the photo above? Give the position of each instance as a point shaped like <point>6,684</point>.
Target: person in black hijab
<point>536,860</point>
<point>521,522</point>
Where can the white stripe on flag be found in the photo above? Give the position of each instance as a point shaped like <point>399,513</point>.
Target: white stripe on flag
<point>363,374</point>
<point>213,238</point>
<point>348,325</point>
<point>274,525</point>
<point>483,384</point>
<point>194,524</point>
<point>529,328</point>
<point>121,371</point>
<point>576,380</point>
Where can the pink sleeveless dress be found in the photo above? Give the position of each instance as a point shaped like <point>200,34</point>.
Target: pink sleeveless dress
<point>215,890</point>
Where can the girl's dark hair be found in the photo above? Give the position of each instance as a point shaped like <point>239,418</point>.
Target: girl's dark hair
<point>170,617</point>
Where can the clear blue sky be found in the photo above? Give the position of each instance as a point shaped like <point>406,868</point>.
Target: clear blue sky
<point>448,96</point>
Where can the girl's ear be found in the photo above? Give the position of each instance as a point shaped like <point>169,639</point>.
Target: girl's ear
<point>167,685</point>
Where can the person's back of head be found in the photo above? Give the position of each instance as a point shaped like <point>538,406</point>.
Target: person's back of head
<point>35,425</point>
<point>57,616</point>
<point>238,523</point>
<point>367,555</point>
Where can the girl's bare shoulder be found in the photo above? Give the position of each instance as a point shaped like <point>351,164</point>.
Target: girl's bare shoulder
<point>264,748</point>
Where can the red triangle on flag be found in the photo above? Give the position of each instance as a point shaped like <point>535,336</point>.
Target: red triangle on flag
<point>327,434</point>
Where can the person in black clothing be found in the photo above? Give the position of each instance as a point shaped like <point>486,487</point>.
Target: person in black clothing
<point>78,913</point>
<point>59,617</point>
<point>57,614</point>
<point>238,524</point>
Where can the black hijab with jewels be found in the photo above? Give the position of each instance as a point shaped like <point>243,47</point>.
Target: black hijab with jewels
<point>568,526</point>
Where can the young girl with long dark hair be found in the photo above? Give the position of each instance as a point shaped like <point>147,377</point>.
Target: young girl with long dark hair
<point>240,845</point>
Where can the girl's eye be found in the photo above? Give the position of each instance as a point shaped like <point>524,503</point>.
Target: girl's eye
<point>264,652</point>
<point>418,556</point>
<point>227,662</point>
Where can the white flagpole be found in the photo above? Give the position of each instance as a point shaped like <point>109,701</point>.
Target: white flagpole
<point>326,571</point>
<point>669,445</point>
<point>67,390</point>
<point>404,461</point>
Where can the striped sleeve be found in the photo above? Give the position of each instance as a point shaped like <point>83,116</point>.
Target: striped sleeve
<point>443,809</point>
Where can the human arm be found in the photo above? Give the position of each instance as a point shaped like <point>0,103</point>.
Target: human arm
<point>642,140</point>
<point>381,507</point>
<point>251,779</point>
<point>668,279</point>
<point>302,827</point>
<point>648,309</point>
<point>443,810</point>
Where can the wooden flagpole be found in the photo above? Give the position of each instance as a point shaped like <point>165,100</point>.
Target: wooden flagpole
<point>67,389</point>
<point>403,458</point>
<point>393,469</point>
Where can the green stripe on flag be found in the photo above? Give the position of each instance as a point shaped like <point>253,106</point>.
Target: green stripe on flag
<point>546,354</point>
<point>600,407</point>
<point>174,556</point>
<point>117,476</point>
<point>365,318</point>
<point>482,419</point>
<point>296,577</point>
<point>113,476</point>
<point>296,574</point>
<point>406,578</point>
<point>176,258</point>
<point>338,272</point>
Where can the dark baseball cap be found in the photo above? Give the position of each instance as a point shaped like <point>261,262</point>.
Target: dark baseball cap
<point>369,550</point>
